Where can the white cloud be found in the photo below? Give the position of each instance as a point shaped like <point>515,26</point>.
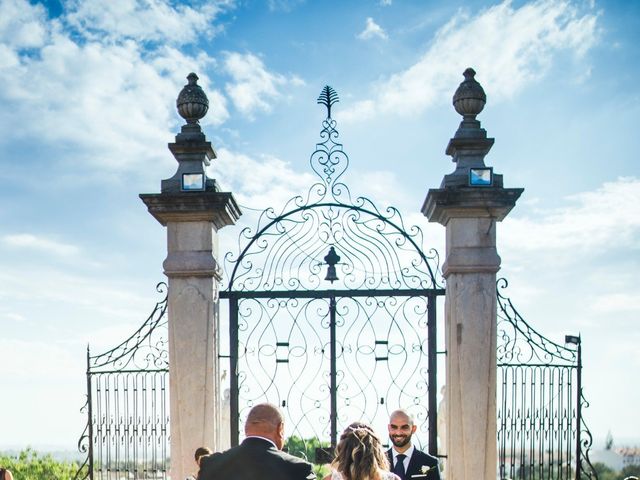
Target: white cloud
<point>37,370</point>
<point>22,24</point>
<point>372,30</point>
<point>13,317</point>
<point>254,88</point>
<point>284,5</point>
<point>143,20</point>
<point>604,218</point>
<point>29,241</point>
<point>33,290</point>
<point>19,358</point>
<point>386,3</point>
<point>617,302</point>
<point>508,47</point>
<point>109,105</point>
<point>260,183</point>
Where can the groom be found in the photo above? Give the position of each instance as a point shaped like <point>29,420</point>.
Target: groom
<point>405,459</point>
<point>259,456</point>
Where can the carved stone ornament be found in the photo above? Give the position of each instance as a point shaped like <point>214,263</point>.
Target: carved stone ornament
<point>192,102</point>
<point>469,99</point>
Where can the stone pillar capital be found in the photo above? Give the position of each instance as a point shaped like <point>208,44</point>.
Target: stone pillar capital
<point>219,208</point>
<point>190,218</point>
<point>443,204</point>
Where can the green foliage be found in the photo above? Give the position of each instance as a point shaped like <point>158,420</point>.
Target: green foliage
<point>630,470</point>
<point>306,448</point>
<point>550,472</point>
<point>604,472</point>
<point>607,473</point>
<point>29,465</point>
<point>321,471</point>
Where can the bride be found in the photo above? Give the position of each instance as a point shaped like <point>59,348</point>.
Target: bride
<point>360,456</point>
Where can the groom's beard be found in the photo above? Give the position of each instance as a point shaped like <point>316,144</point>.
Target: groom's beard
<point>400,440</point>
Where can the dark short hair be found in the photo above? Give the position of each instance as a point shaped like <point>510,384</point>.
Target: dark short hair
<point>201,452</point>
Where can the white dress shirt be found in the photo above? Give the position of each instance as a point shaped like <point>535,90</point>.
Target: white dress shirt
<point>408,454</point>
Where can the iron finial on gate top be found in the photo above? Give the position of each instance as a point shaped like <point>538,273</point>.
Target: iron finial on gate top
<point>328,160</point>
<point>328,97</point>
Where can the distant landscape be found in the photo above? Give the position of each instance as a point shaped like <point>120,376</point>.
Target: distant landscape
<point>71,454</point>
<point>57,454</point>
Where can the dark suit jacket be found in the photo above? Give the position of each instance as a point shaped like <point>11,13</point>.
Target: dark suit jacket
<point>416,462</point>
<point>254,459</point>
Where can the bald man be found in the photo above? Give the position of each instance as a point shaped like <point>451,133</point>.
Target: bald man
<point>405,459</point>
<point>259,456</point>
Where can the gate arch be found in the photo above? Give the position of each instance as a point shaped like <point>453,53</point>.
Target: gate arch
<point>354,344</point>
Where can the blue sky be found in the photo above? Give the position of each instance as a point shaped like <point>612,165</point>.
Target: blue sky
<point>87,97</point>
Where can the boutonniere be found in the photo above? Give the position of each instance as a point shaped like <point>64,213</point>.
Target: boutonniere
<point>423,471</point>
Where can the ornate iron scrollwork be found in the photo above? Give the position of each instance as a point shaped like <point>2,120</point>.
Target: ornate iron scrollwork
<point>541,431</point>
<point>586,442</point>
<point>127,430</point>
<point>286,248</point>
<point>145,349</point>
<point>351,316</point>
<point>520,343</point>
<point>84,443</point>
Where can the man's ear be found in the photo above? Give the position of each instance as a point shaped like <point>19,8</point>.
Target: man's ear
<point>280,435</point>
<point>413,429</point>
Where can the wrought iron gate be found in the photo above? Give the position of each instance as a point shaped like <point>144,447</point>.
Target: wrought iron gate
<point>541,429</point>
<point>127,407</point>
<point>332,310</point>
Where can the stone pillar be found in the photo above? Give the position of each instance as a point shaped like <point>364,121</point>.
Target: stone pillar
<point>468,203</point>
<point>193,209</point>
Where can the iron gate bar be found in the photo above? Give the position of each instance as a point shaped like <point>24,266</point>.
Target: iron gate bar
<point>234,408</point>
<point>90,416</point>
<point>579,412</point>
<point>332,371</point>
<point>432,365</point>
<point>415,292</point>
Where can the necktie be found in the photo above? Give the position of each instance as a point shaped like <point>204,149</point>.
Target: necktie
<point>398,469</point>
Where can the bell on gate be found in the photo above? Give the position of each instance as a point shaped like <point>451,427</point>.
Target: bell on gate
<point>331,260</point>
<point>331,274</point>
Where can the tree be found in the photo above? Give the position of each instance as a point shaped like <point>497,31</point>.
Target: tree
<point>629,471</point>
<point>608,443</point>
<point>29,465</point>
<point>604,472</point>
<point>306,448</point>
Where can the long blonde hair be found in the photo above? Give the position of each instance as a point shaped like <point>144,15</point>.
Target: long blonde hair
<point>359,454</point>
